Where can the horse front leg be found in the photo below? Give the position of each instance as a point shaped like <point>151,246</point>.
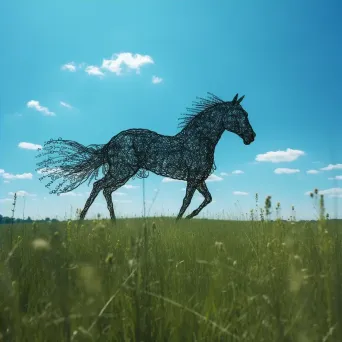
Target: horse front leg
<point>190,190</point>
<point>202,188</point>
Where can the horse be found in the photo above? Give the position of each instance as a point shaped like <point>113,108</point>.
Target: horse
<point>187,156</point>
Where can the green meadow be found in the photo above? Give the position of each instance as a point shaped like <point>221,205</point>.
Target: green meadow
<point>155,280</point>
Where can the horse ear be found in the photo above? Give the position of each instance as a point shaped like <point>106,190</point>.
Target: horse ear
<point>240,99</point>
<point>235,98</point>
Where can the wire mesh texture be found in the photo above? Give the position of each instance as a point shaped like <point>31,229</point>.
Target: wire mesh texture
<point>187,156</point>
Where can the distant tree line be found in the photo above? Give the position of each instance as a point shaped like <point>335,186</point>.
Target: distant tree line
<point>7,220</point>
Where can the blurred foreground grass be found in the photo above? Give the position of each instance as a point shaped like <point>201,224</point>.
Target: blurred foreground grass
<point>197,280</point>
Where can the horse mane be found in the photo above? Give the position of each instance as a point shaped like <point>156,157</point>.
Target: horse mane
<point>199,106</point>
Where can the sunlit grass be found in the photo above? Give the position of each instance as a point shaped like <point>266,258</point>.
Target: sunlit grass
<point>154,280</point>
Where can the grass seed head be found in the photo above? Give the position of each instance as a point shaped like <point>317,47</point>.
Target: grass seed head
<point>41,244</point>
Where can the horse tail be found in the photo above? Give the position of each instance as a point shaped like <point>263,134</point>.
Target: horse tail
<point>70,163</point>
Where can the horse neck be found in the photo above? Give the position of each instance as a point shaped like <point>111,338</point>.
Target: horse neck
<point>206,127</point>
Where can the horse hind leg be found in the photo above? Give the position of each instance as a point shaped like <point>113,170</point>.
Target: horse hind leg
<point>202,188</point>
<point>97,187</point>
<point>107,193</point>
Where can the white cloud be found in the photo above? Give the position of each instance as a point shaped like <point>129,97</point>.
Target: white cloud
<point>45,170</point>
<point>127,59</point>
<point>240,193</point>
<point>312,172</point>
<point>36,105</point>
<point>237,172</point>
<point>129,186</point>
<point>70,194</point>
<point>214,178</point>
<point>332,192</point>
<point>66,105</point>
<point>332,167</point>
<point>93,70</point>
<point>156,79</point>
<point>69,67</point>
<point>169,180</point>
<point>6,181</point>
<point>335,178</point>
<point>7,175</point>
<point>29,146</point>
<point>2,171</point>
<point>280,156</point>
<point>280,171</point>
<point>21,193</point>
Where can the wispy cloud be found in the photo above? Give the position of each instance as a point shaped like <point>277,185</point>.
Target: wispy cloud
<point>214,178</point>
<point>331,167</point>
<point>169,180</point>
<point>240,193</point>
<point>156,79</point>
<point>71,194</point>
<point>36,105</point>
<point>118,193</point>
<point>332,192</point>
<point>93,70</point>
<point>29,146</point>
<point>280,171</point>
<point>237,172</point>
<point>7,175</point>
<point>2,200</point>
<point>69,67</point>
<point>129,186</point>
<point>280,156</point>
<point>66,105</point>
<point>312,172</point>
<point>336,178</point>
<point>122,201</point>
<point>22,193</point>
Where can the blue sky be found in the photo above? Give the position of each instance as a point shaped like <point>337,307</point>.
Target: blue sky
<point>86,70</point>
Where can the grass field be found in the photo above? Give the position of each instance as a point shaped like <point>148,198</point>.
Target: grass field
<point>155,280</point>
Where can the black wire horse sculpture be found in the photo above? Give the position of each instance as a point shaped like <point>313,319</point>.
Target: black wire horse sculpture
<point>187,156</point>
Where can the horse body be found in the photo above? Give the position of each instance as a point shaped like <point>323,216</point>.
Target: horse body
<point>188,155</point>
<point>167,156</point>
